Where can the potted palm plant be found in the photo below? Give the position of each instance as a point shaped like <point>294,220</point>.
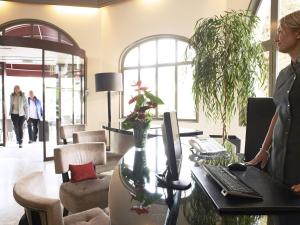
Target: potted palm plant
<point>227,65</point>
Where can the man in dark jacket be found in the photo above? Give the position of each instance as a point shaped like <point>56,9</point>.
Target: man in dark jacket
<point>35,114</point>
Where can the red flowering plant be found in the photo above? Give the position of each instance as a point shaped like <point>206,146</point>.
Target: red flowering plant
<point>140,118</point>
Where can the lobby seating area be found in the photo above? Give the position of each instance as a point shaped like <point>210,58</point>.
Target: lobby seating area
<point>29,192</point>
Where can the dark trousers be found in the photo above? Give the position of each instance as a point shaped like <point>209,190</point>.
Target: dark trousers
<point>18,122</point>
<point>32,125</point>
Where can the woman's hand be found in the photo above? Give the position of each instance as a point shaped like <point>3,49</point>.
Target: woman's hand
<point>261,157</point>
<point>296,188</point>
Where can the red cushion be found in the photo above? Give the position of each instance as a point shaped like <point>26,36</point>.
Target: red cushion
<point>82,172</point>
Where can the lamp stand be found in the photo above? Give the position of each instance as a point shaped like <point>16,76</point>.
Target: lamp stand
<point>109,117</point>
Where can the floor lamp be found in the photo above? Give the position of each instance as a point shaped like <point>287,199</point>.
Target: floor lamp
<point>109,82</point>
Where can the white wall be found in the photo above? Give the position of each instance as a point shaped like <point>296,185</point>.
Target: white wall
<point>237,4</point>
<point>104,33</point>
<point>128,22</point>
<point>125,23</point>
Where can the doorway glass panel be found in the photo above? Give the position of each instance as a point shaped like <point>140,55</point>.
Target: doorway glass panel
<point>1,104</point>
<point>66,81</point>
<point>51,83</point>
<point>59,84</point>
<point>23,68</point>
<point>78,91</point>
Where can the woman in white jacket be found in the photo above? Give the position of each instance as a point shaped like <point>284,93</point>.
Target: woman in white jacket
<point>18,112</point>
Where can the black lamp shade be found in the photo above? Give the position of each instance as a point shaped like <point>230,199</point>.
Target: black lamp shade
<point>108,82</point>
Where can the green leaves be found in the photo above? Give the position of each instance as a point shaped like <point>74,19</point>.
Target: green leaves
<point>153,98</point>
<point>227,63</point>
<point>144,101</point>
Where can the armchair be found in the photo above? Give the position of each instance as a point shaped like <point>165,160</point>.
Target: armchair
<point>86,194</point>
<point>112,158</point>
<point>29,192</point>
<point>66,131</point>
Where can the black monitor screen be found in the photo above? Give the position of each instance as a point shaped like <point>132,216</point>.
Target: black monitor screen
<point>172,145</point>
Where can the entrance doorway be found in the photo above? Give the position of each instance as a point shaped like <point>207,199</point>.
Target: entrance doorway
<point>57,79</point>
<point>54,72</point>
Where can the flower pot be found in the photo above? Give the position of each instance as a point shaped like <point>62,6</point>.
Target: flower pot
<point>140,133</point>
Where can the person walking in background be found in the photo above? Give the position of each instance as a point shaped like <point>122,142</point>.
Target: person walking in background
<point>35,113</point>
<point>19,112</point>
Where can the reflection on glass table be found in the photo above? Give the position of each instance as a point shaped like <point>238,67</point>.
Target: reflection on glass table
<point>135,179</point>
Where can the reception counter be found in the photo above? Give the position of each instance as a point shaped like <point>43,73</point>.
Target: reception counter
<point>135,198</point>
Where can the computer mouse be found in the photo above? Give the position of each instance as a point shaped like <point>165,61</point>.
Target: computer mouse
<point>237,166</point>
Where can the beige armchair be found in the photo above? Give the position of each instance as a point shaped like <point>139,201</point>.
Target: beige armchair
<point>66,131</point>
<point>29,192</point>
<point>87,194</point>
<point>112,158</point>
<point>89,136</point>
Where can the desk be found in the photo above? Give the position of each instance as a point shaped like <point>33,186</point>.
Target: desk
<point>135,199</point>
<point>121,140</point>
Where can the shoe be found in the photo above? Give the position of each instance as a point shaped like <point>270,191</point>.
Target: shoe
<point>20,146</point>
<point>29,142</point>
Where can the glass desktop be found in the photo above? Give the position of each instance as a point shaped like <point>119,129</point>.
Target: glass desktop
<point>135,197</point>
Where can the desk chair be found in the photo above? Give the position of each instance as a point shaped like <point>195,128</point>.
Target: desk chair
<point>29,191</point>
<point>260,112</point>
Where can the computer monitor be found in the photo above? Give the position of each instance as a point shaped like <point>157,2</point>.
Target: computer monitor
<point>172,144</point>
<point>173,151</point>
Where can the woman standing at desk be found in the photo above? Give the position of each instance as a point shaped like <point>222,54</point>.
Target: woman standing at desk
<point>283,134</point>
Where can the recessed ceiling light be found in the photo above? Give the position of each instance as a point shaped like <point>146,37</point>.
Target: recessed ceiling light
<point>75,10</point>
<point>150,1</point>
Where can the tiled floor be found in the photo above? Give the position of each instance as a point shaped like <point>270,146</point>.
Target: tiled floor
<point>14,163</point>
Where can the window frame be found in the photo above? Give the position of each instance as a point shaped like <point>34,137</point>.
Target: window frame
<point>269,45</point>
<point>156,66</point>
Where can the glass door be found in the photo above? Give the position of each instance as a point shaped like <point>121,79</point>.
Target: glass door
<point>63,93</point>
<point>51,99</point>
<point>57,79</point>
<point>66,87</point>
<point>23,67</point>
<point>78,90</point>
<point>2,114</point>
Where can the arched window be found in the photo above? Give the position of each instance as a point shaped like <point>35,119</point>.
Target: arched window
<point>163,65</point>
<point>269,12</point>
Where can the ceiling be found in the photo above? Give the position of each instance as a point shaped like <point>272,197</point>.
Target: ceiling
<point>82,3</point>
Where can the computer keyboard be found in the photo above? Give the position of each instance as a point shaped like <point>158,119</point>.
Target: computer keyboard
<point>206,145</point>
<point>230,183</point>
